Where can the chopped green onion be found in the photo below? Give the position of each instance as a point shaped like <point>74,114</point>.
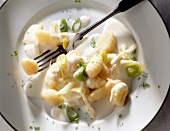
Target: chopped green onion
<point>76,25</point>
<point>63,25</point>
<point>72,114</point>
<point>80,74</point>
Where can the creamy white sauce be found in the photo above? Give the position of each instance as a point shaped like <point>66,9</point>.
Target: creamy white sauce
<point>34,86</point>
<point>86,49</point>
<point>102,107</point>
<point>59,114</point>
<point>30,40</point>
<point>29,37</point>
<point>123,36</point>
<point>30,50</point>
<point>72,60</point>
<point>85,20</point>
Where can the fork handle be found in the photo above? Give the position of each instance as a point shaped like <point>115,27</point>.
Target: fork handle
<point>122,6</point>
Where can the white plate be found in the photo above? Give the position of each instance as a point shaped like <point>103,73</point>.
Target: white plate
<point>143,22</point>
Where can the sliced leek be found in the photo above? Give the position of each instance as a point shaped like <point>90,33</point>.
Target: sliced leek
<point>76,25</point>
<point>80,74</point>
<point>63,25</point>
<point>128,68</point>
<point>72,114</point>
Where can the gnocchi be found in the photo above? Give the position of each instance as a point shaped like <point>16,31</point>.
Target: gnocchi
<point>30,66</point>
<point>107,42</point>
<point>119,93</point>
<point>83,77</point>
<point>94,66</point>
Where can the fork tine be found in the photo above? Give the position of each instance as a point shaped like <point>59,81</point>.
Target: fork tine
<point>46,57</point>
<point>47,62</point>
<point>51,58</point>
<point>41,54</point>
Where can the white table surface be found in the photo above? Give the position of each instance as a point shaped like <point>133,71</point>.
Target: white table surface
<point>161,122</point>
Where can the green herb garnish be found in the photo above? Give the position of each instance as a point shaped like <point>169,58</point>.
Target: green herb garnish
<point>31,127</point>
<point>36,127</point>
<point>15,53</point>
<point>30,86</point>
<point>120,116</point>
<point>77,1</point>
<point>81,63</point>
<point>134,52</point>
<point>138,78</point>
<point>144,84</point>
<point>93,42</point>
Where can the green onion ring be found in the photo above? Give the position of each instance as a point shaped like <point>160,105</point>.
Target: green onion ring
<point>63,25</point>
<point>77,21</point>
<point>72,117</point>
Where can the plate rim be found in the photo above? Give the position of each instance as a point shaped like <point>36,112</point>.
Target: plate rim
<point>168,92</point>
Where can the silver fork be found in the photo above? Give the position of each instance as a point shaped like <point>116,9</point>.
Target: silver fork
<point>48,56</point>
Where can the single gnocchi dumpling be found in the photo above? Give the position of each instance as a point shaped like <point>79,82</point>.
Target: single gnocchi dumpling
<point>51,96</point>
<point>95,82</point>
<point>105,72</point>
<point>94,66</point>
<point>51,82</point>
<point>55,79</point>
<point>107,42</point>
<point>119,93</point>
<point>47,40</point>
<point>103,91</point>
<point>30,66</point>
